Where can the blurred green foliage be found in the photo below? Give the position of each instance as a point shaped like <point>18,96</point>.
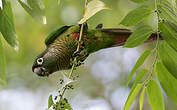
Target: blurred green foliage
<point>31,35</point>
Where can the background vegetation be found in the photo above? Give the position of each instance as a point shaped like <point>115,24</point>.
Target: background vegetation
<point>102,79</point>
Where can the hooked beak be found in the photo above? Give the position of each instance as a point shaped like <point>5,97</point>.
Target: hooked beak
<point>40,71</point>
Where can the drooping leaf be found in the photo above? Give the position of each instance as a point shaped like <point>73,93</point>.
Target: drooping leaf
<point>139,1</point>
<point>136,15</point>
<point>141,99</point>
<point>7,25</point>
<point>2,66</point>
<point>139,76</point>
<point>167,81</point>
<point>172,25</point>
<point>139,36</point>
<point>63,105</point>
<point>139,62</point>
<point>35,8</point>
<point>92,8</point>
<point>169,34</point>
<point>50,101</point>
<point>168,57</point>
<point>167,12</point>
<point>155,96</point>
<point>133,93</point>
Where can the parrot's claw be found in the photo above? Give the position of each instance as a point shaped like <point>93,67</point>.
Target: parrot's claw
<point>76,53</point>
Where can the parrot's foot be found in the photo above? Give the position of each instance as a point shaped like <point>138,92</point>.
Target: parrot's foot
<point>81,56</point>
<point>76,53</point>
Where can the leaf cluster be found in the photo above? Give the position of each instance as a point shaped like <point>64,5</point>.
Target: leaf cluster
<point>34,7</point>
<point>164,66</point>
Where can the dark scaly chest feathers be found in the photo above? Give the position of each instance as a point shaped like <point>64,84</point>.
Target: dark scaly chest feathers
<point>63,49</point>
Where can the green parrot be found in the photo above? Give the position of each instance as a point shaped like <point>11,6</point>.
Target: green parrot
<point>62,43</point>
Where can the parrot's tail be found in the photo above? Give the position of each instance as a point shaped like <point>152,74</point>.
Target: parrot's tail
<point>121,36</point>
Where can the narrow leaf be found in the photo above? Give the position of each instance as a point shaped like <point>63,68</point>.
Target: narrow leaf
<point>169,34</point>
<point>155,96</point>
<point>136,15</point>
<point>167,12</point>
<point>141,100</point>
<point>139,1</point>
<point>139,76</point>
<point>132,95</point>
<point>50,101</point>
<point>92,8</point>
<point>167,81</point>
<point>2,66</point>
<point>139,36</point>
<point>7,25</point>
<point>172,25</point>
<point>35,8</point>
<point>169,58</point>
<point>139,62</point>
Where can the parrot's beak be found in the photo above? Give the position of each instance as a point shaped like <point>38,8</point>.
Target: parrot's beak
<point>40,71</point>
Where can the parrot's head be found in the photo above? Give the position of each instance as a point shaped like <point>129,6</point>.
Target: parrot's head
<point>45,64</point>
<point>60,43</point>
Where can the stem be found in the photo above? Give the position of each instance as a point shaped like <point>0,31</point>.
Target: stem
<point>150,76</point>
<point>75,59</point>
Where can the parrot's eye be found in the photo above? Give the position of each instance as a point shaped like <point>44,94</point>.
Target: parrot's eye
<point>68,35</point>
<point>39,61</point>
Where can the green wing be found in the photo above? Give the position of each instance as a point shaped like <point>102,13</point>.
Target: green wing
<point>55,34</point>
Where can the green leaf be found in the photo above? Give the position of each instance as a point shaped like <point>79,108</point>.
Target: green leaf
<point>139,76</point>
<point>167,81</point>
<point>64,105</point>
<point>136,15</point>
<point>132,95</point>
<point>169,58</point>
<point>167,12</point>
<point>172,25</point>
<point>2,66</point>
<point>50,101</point>
<point>139,62</point>
<point>169,34</point>
<point>139,1</point>
<point>139,36</point>
<point>141,99</point>
<point>155,96</point>
<point>92,8</point>
<point>35,8</point>
<point>7,25</point>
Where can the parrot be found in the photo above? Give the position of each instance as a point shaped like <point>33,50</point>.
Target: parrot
<point>61,45</point>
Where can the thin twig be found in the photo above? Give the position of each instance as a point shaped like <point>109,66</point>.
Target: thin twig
<point>75,59</point>
<point>150,76</point>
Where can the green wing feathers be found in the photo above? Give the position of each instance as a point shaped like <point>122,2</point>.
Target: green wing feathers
<point>55,34</point>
